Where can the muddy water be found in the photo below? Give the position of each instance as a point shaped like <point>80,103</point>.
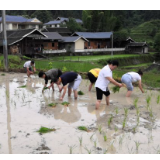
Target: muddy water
<point>24,110</point>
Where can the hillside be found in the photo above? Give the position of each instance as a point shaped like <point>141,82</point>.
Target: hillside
<point>146,31</point>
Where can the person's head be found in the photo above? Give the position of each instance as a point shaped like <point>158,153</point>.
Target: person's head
<point>140,73</point>
<point>57,80</point>
<point>41,74</point>
<point>113,64</point>
<point>32,63</point>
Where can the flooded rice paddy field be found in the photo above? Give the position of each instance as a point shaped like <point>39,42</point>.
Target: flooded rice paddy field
<point>128,125</point>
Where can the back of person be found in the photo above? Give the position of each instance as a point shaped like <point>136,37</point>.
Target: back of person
<point>52,73</point>
<point>95,71</point>
<point>135,76</point>
<point>68,77</point>
<point>102,82</point>
<point>27,64</point>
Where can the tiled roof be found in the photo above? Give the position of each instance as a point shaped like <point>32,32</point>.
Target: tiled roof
<point>72,39</point>
<point>52,35</point>
<point>137,44</point>
<point>94,35</point>
<point>18,19</point>
<point>14,36</point>
<point>60,20</point>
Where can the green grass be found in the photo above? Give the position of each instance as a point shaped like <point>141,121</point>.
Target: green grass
<point>91,57</point>
<point>46,130</point>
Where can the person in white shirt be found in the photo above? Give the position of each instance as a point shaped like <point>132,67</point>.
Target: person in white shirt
<point>103,80</point>
<point>132,77</point>
<point>28,67</point>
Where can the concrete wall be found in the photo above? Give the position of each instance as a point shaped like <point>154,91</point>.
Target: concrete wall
<point>79,44</point>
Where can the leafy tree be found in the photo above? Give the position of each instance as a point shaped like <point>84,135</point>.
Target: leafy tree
<point>157,42</point>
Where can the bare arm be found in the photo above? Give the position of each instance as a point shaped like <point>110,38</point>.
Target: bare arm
<point>140,86</point>
<point>34,68</point>
<point>29,70</point>
<point>114,82</point>
<point>64,92</point>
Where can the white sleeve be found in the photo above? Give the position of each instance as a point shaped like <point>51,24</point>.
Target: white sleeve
<point>107,73</point>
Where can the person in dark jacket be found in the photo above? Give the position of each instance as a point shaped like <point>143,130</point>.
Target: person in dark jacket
<point>71,78</point>
<point>53,75</point>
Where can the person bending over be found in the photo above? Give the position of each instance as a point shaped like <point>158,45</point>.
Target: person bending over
<point>132,77</point>
<point>71,78</point>
<point>29,67</point>
<point>53,75</point>
<point>92,76</point>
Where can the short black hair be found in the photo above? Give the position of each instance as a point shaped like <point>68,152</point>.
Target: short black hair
<point>113,62</point>
<point>140,72</point>
<point>32,62</point>
<point>41,73</point>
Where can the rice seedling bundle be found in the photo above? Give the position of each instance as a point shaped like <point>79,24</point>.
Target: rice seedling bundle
<point>80,93</point>
<point>24,86</point>
<point>53,105</point>
<point>46,130</point>
<point>65,103</point>
<point>115,89</point>
<point>83,128</point>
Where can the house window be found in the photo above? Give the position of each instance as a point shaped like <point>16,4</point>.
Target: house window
<point>88,43</point>
<point>53,45</point>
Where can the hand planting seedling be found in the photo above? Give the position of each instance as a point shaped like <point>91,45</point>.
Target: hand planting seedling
<point>65,103</point>
<point>80,93</point>
<point>53,105</point>
<point>22,86</point>
<point>44,89</point>
<point>115,89</point>
<point>46,130</point>
<point>83,128</point>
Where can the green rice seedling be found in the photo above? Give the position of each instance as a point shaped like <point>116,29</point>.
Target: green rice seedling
<point>116,129</point>
<point>124,123</point>
<point>91,137</point>
<point>126,112</point>
<point>65,103</point>
<point>80,93</point>
<point>53,105</point>
<point>158,99</point>
<point>134,129</point>
<point>115,89</point>
<point>157,149</point>
<point>148,100</point>
<point>71,148</point>
<point>116,110</point>
<point>112,144</point>
<point>105,137</point>
<point>24,86</point>
<point>95,144</point>
<point>105,151</point>
<point>137,120</point>
<point>137,143</point>
<point>2,74</point>
<point>137,111</point>
<point>89,151</point>
<point>121,140</point>
<point>110,120</point>
<point>83,128</point>
<point>135,103</point>
<point>150,112</point>
<point>46,130</point>
<point>100,129</point>
<point>80,140</point>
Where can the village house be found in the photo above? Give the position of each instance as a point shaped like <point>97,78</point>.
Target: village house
<point>137,47</point>
<point>24,41</point>
<point>61,31</point>
<point>19,22</point>
<point>96,39</point>
<point>60,21</point>
<point>71,44</point>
